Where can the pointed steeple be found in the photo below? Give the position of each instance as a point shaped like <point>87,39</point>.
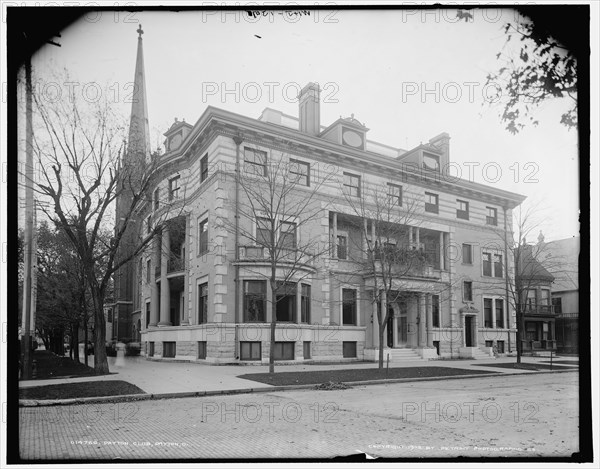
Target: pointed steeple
<point>139,130</point>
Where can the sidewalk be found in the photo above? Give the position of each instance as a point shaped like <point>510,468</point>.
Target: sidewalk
<point>156,377</point>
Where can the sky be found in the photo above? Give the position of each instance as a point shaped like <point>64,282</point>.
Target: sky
<point>407,75</point>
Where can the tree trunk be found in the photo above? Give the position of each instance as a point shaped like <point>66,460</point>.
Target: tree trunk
<point>85,336</point>
<point>75,341</point>
<point>381,334</point>
<point>100,359</point>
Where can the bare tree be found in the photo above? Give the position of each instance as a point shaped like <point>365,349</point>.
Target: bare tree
<point>385,253</point>
<point>278,202</point>
<point>84,171</point>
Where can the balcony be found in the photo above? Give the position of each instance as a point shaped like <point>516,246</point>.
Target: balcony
<point>537,310</point>
<point>286,255</point>
<point>176,264</point>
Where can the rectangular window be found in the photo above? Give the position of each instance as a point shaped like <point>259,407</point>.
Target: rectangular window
<point>489,343</point>
<point>531,300</point>
<point>264,233</point>
<point>395,193</point>
<point>352,185</point>
<point>250,351</point>
<point>147,314</point>
<point>545,297</point>
<point>462,211</point>
<point>174,188</point>
<point>149,225</point>
<point>109,315</point>
<point>557,303</point>
<point>148,271</point>
<point>467,254</point>
<point>342,247</point>
<point>487,313</point>
<point>151,349</point>
<point>169,349</point>
<point>285,309</point>
<point>284,350</point>
<point>498,265</point>
<point>203,303</point>
<point>305,304</point>
<point>467,291</point>
<point>348,307</point>
<point>156,198</point>
<point>349,349</point>
<point>431,202</point>
<point>300,172</point>
<point>255,296</point>
<point>492,216</point>
<point>203,237</point>
<point>255,161</point>
<point>287,238</point>
<point>435,310</point>
<point>499,313</point>
<point>204,168</point>
<point>500,346</point>
<point>487,264</point>
<point>202,350</point>
<point>306,349</point>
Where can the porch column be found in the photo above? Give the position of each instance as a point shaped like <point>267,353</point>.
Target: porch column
<point>417,234</point>
<point>442,250</point>
<point>334,242</point>
<point>395,332</point>
<point>298,302</point>
<point>428,300</point>
<point>475,330</point>
<point>154,306</point>
<point>422,331</point>
<point>375,321</point>
<point>165,291</point>
<point>410,236</point>
<point>463,323</point>
<point>383,314</point>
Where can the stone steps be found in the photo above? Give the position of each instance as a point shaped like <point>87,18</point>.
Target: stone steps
<point>404,354</point>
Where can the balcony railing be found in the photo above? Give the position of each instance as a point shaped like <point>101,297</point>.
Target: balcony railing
<point>541,310</point>
<point>260,253</point>
<point>544,344</point>
<point>176,264</point>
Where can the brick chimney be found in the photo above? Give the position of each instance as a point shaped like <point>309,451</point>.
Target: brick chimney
<point>310,114</point>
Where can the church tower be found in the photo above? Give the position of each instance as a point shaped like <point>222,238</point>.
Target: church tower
<point>131,168</point>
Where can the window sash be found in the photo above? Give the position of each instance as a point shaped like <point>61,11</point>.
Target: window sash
<point>352,184</point>
<point>499,304</point>
<point>487,313</point>
<point>467,254</point>
<point>395,193</point>
<point>288,235</point>
<point>487,264</point>
<point>203,303</point>
<point>174,188</point>
<point>300,171</point>
<point>348,307</point>
<point>468,291</point>
<point>305,304</point>
<point>435,311</point>
<point>342,247</point>
<point>204,168</point>
<point>255,296</point>
<point>203,237</point>
<point>498,265</point>
<point>255,161</point>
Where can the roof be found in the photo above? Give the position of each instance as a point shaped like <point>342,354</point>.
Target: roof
<point>532,268</point>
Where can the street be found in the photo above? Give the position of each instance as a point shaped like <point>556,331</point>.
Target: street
<point>523,415</point>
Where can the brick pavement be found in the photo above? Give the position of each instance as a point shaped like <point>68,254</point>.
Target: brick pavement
<point>507,416</point>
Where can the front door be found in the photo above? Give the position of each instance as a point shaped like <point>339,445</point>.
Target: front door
<point>469,331</point>
<point>402,331</point>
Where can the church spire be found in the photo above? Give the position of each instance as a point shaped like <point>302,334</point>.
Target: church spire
<point>139,130</point>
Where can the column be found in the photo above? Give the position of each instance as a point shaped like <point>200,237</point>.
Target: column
<point>441,250</point>
<point>429,316</point>
<point>154,306</point>
<point>375,322</point>
<point>165,291</point>
<point>463,323</point>
<point>334,241</point>
<point>395,333</point>
<point>417,234</point>
<point>410,236</point>
<point>298,302</point>
<point>422,331</point>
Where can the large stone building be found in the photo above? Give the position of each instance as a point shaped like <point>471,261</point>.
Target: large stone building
<point>200,290</point>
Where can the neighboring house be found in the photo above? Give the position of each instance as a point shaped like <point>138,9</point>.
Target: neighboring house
<point>194,294</point>
<point>565,293</point>
<point>535,282</point>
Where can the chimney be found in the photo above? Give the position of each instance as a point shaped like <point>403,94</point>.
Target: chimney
<point>310,115</point>
<point>442,141</point>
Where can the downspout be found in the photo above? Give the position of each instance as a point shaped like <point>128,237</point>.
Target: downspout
<point>506,278</point>
<point>237,140</point>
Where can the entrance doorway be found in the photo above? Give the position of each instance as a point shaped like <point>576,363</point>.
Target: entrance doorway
<point>469,342</point>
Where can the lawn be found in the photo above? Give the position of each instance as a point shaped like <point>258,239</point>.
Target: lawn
<point>526,366</point>
<point>355,374</point>
<point>75,390</point>
<point>49,365</point>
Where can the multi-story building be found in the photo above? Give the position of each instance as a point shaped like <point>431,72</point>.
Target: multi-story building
<point>201,291</point>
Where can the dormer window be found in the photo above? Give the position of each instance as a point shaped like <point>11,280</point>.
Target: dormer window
<point>431,162</point>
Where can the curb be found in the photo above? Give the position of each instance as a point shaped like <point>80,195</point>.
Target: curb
<point>225,392</point>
